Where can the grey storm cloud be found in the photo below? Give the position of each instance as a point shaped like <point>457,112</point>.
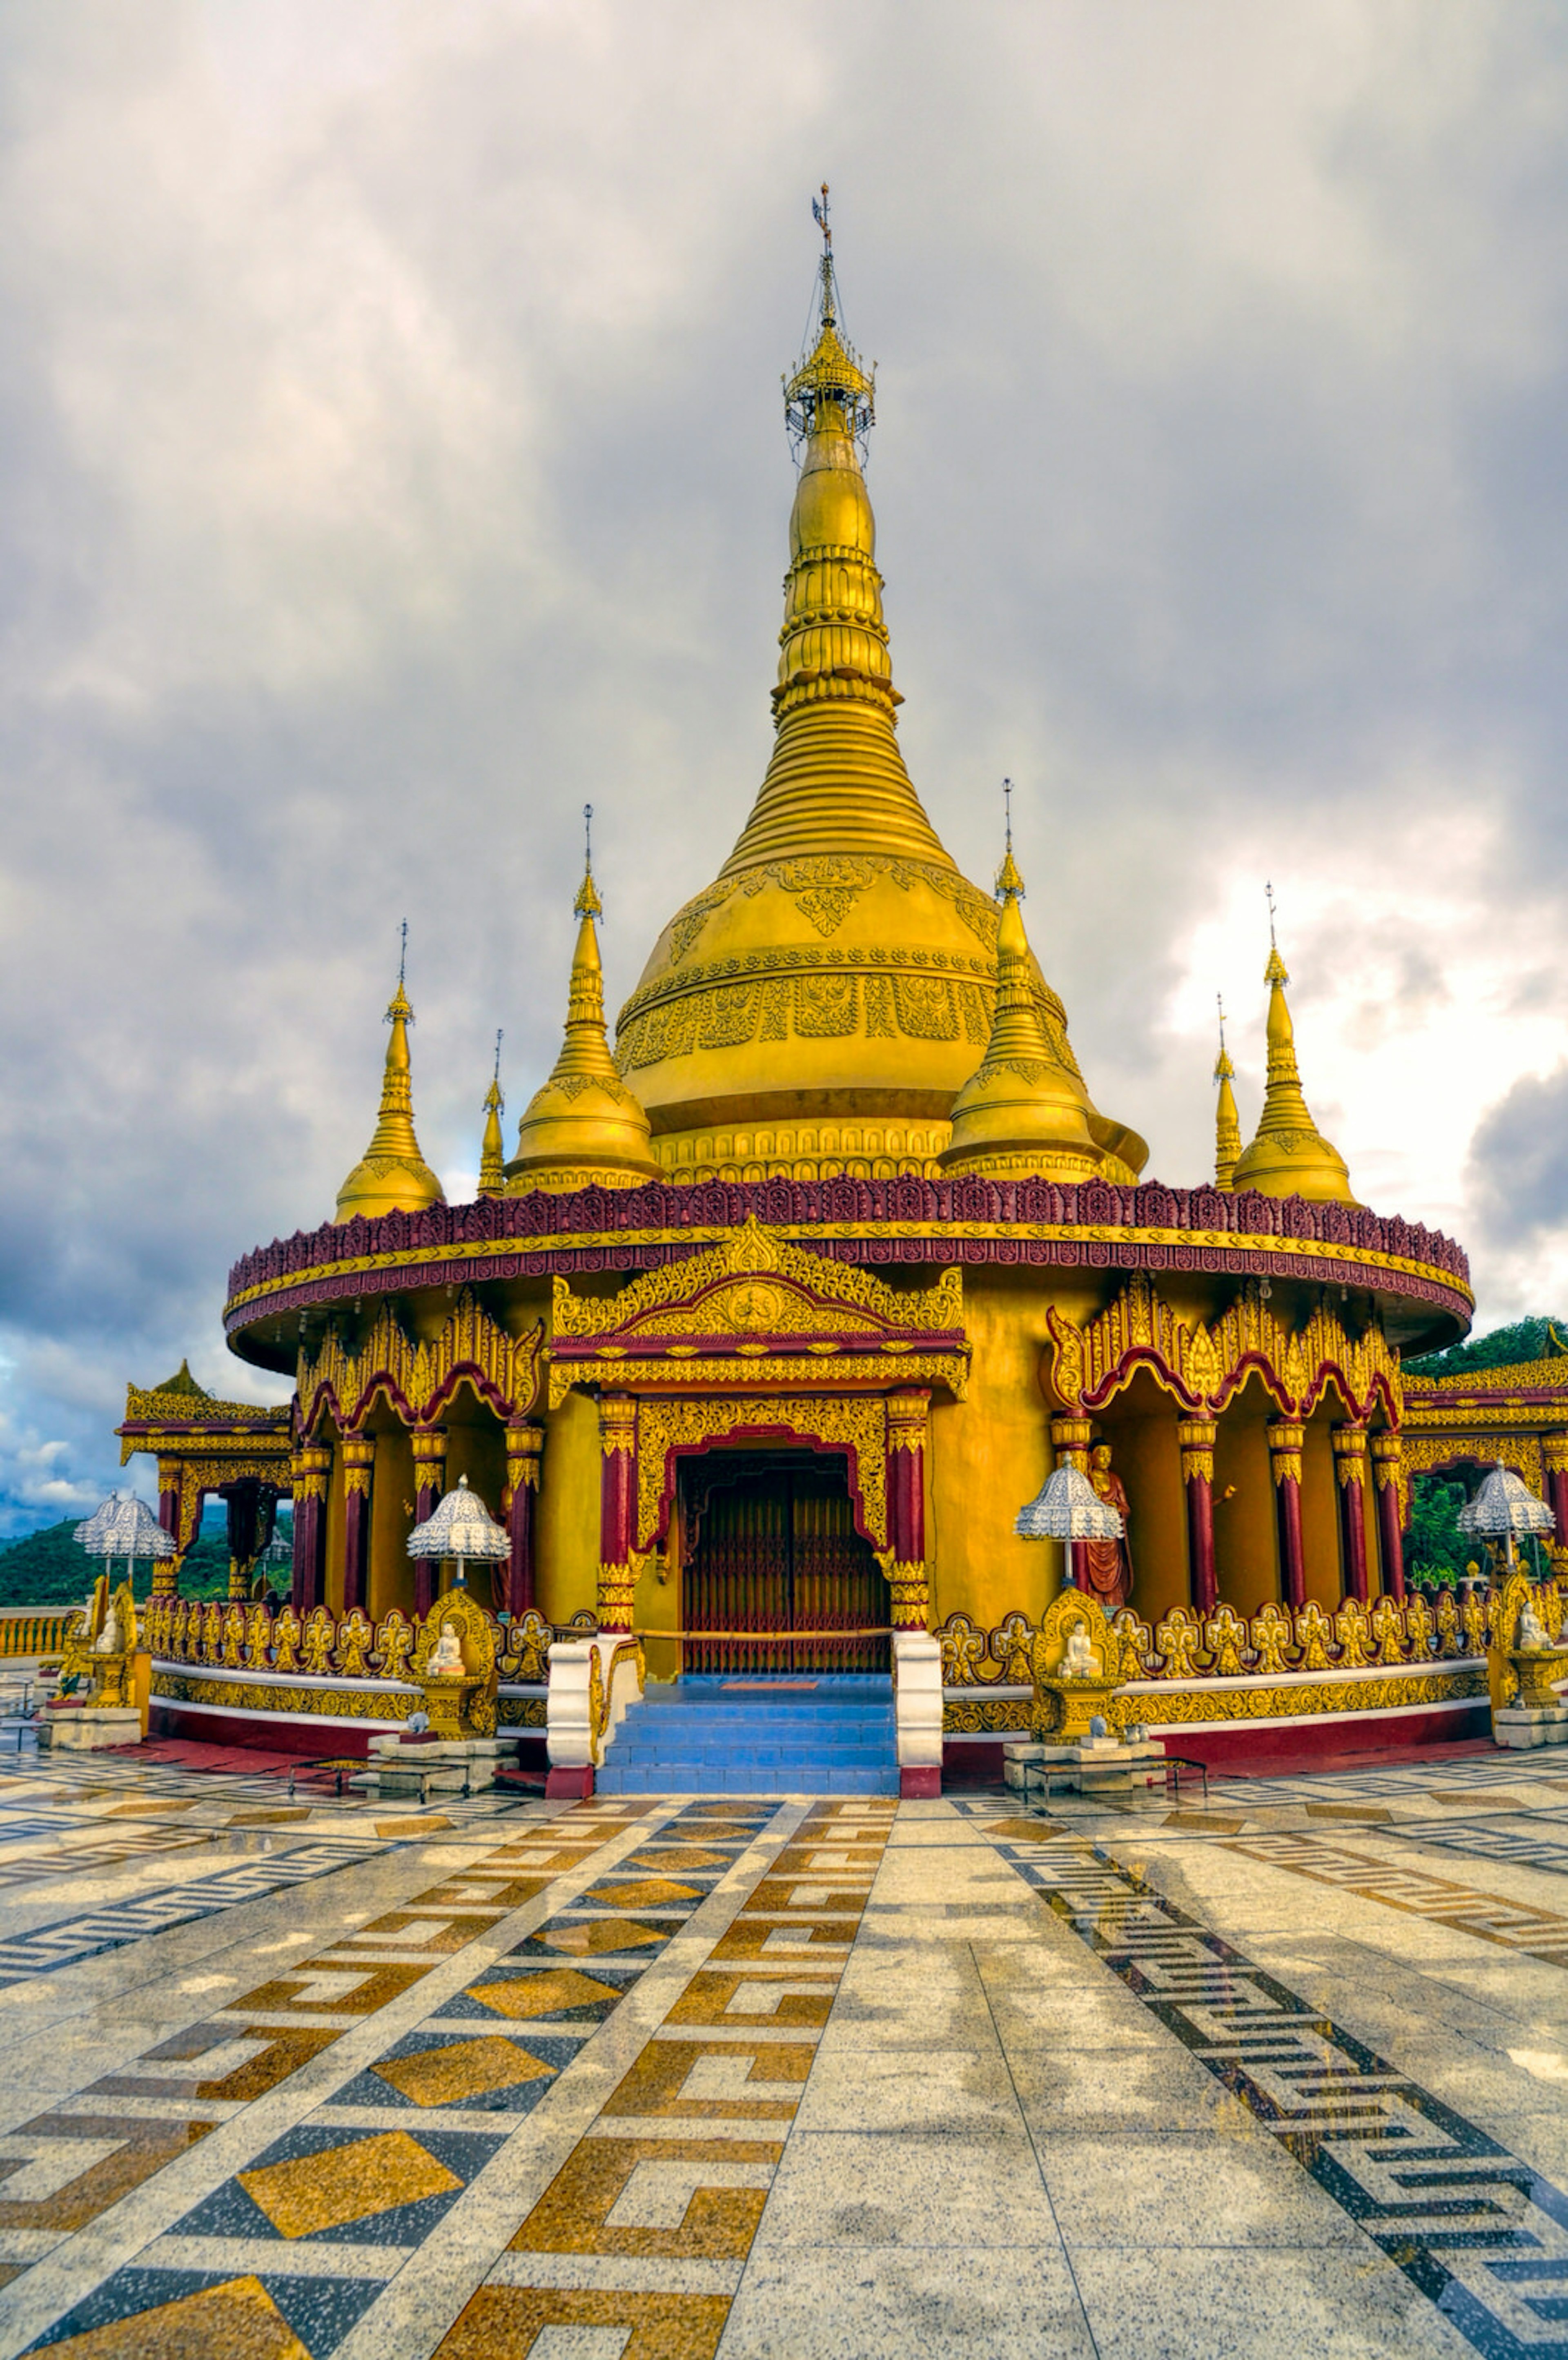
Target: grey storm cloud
<point>1520,1160</point>
<point>391,462</point>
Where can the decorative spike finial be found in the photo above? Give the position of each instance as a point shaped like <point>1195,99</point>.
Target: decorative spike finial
<point>1227,1122</point>
<point>1276,971</point>
<point>492,1151</point>
<point>1223,1069</point>
<point>588,903</point>
<point>1008,880</point>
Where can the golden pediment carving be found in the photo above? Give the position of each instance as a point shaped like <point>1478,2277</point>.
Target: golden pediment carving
<point>757,1284</point>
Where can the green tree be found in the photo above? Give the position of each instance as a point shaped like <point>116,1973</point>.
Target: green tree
<point>1536,1339</point>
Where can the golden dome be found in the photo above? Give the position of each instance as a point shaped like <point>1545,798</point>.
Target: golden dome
<point>1025,1109</point>
<point>1290,1156</point>
<point>820,1005</point>
<point>393,1176</point>
<point>584,1125</point>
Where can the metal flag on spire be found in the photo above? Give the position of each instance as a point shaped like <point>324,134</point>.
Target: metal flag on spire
<point>500,1037</point>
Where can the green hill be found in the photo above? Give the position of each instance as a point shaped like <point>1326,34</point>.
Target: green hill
<point>50,1569</point>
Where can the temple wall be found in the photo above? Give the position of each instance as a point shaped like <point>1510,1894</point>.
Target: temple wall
<point>569,1512</point>
<point>992,1453</point>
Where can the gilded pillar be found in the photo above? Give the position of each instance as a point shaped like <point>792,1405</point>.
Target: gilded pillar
<point>1070,1439</point>
<point>1387,1450</point>
<point>909,1579</point>
<point>618,1510</point>
<point>525,1452</point>
<point>311,1466</point>
<point>1555,1454</point>
<point>358,1465</point>
<point>1286,1436</point>
<point>252,1508</point>
<point>1196,1436</point>
<point>429,1444</point>
<point>171,1495</point>
<point>1350,1466</point>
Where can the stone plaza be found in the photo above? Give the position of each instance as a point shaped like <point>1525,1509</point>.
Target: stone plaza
<point>292,2072</point>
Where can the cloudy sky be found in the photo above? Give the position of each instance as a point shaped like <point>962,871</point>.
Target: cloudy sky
<point>391,460</point>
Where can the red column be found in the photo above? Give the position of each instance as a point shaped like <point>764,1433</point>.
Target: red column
<point>525,1451</point>
<point>1387,1451</point>
<point>312,1465</point>
<point>1349,1466</point>
<point>1196,1436</point>
<point>429,1444</point>
<point>1069,1440</point>
<point>1554,1451</point>
<point>906,1421</point>
<point>358,1463</point>
<point>618,1510</point>
<point>171,1492</point>
<point>1286,1436</point>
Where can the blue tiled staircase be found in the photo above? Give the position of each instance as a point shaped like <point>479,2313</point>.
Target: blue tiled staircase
<point>709,1736</point>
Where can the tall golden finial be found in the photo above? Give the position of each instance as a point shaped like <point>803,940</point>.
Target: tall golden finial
<point>492,1152</point>
<point>1289,1155</point>
<point>393,1176</point>
<point>1227,1122</point>
<point>1007,878</point>
<point>584,1125</point>
<point>1025,1109</point>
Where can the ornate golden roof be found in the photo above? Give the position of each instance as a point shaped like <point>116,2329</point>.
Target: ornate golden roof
<point>1290,1156</point>
<point>393,1176</point>
<point>830,991</point>
<point>1025,1108</point>
<point>584,1125</point>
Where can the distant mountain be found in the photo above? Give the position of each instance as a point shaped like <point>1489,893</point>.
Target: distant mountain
<point>50,1568</point>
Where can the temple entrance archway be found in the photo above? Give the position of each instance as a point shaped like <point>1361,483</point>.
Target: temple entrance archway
<point>769,1549</point>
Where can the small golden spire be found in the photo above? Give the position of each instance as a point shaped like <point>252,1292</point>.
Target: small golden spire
<point>393,1176</point>
<point>492,1152</point>
<point>584,1125</point>
<point>1289,1156</point>
<point>1023,1110</point>
<point>1227,1122</point>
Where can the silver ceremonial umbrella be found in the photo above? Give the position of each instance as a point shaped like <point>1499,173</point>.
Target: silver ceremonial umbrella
<point>461,1528</point>
<point>1068,1509</point>
<point>1504,1505</point>
<point>124,1527</point>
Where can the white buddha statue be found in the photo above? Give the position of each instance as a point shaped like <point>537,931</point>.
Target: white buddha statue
<point>1531,1630</point>
<point>110,1639</point>
<point>1079,1662</point>
<point>446,1660</point>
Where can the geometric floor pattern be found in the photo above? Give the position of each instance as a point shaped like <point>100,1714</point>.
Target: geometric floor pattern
<point>676,2078</point>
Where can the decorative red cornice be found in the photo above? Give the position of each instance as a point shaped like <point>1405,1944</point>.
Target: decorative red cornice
<point>909,1220</point>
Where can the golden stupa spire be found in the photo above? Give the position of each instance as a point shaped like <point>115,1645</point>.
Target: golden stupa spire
<point>492,1151</point>
<point>584,1125</point>
<point>1024,1109</point>
<point>1227,1122</point>
<point>1289,1156</point>
<point>393,1176</point>
<point>836,781</point>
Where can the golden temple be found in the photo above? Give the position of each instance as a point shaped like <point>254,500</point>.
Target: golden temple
<point>781,1308</point>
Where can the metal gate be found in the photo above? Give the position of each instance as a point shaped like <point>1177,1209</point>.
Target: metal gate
<point>770,1548</point>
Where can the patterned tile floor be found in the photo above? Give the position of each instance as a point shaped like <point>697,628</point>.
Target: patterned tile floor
<point>661,2079</point>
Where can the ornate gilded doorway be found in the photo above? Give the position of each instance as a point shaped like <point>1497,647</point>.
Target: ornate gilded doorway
<point>769,1548</point>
